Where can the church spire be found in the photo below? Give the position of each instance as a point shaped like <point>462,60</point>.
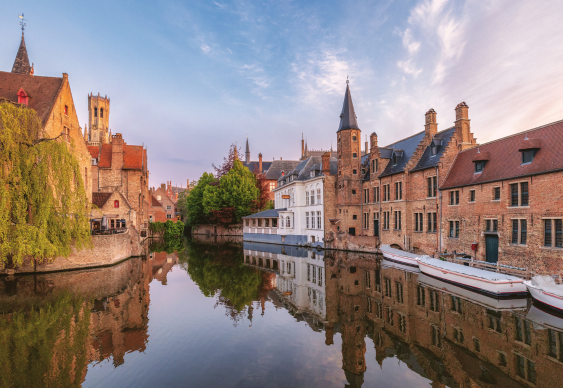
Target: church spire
<point>348,119</point>
<point>247,153</point>
<point>21,64</point>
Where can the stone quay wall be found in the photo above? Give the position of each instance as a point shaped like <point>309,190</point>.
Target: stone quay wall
<point>218,230</point>
<point>106,250</point>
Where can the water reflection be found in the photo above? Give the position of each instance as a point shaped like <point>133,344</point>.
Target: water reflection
<point>154,320</point>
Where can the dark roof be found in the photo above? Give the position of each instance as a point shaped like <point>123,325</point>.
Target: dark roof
<point>253,166</point>
<point>270,213</point>
<point>21,63</point>
<point>506,161</point>
<point>441,139</point>
<point>406,147</point>
<point>277,166</point>
<point>100,199</point>
<point>348,119</point>
<point>42,91</point>
<point>385,153</point>
<point>304,168</point>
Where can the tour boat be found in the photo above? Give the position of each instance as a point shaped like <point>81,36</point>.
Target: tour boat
<point>516,303</point>
<point>544,290</point>
<point>486,282</point>
<point>401,257</point>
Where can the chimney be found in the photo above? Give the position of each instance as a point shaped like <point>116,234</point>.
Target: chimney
<point>260,163</point>
<point>367,151</point>
<point>302,146</point>
<point>430,126</point>
<point>188,185</point>
<point>281,158</point>
<point>163,186</point>
<point>463,127</point>
<point>326,163</point>
<point>117,152</point>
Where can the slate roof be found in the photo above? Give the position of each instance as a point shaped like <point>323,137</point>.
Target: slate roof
<point>427,160</point>
<point>505,159</point>
<point>253,166</point>
<point>348,119</point>
<point>42,91</point>
<point>270,213</point>
<point>407,146</point>
<point>134,157</point>
<point>21,63</point>
<point>303,169</point>
<point>100,199</point>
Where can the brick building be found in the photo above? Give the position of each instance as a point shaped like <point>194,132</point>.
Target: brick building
<point>51,98</point>
<point>118,166</point>
<point>167,199</point>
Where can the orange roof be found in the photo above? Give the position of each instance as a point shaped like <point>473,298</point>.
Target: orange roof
<point>134,157</point>
<point>105,156</point>
<point>94,151</point>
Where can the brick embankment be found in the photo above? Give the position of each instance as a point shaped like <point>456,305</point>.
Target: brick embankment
<point>218,230</point>
<point>106,250</point>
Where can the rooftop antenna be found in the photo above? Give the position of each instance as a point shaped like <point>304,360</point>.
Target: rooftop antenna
<point>22,22</point>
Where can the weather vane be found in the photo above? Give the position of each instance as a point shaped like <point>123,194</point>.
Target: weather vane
<point>22,23</point>
<point>347,76</point>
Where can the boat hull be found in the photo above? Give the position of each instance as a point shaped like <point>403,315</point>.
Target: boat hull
<point>411,262</point>
<point>496,289</point>
<point>548,299</point>
<point>399,265</point>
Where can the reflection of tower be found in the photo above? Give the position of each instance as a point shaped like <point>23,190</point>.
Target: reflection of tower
<point>250,310</point>
<point>98,117</point>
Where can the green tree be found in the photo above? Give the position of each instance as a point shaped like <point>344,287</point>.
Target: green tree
<point>234,197</point>
<point>194,201</point>
<point>43,203</point>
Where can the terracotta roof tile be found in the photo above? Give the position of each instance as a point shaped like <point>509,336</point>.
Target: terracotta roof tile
<point>505,160</point>
<point>105,156</point>
<point>132,157</point>
<point>42,91</point>
<point>100,199</point>
<point>155,201</point>
<point>94,151</point>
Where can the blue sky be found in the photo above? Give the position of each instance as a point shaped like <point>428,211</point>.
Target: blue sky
<point>188,78</point>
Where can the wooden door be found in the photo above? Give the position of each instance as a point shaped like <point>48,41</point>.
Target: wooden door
<point>491,248</point>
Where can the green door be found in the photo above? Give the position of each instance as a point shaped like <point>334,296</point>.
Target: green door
<point>491,247</point>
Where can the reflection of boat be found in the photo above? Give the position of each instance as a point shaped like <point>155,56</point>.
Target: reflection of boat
<point>403,267</point>
<point>401,257</point>
<point>473,297</point>
<point>546,317</point>
<point>544,290</point>
<point>490,283</point>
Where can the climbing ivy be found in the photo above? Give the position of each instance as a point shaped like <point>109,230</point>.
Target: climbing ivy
<point>43,203</point>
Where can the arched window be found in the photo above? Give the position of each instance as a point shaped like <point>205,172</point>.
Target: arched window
<point>95,112</point>
<point>116,203</point>
<point>287,222</point>
<point>101,113</point>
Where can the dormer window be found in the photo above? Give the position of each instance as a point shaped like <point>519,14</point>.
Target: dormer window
<point>528,156</point>
<point>23,98</point>
<point>529,148</point>
<point>480,159</point>
<point>479,166</point>
<point>313,174</point>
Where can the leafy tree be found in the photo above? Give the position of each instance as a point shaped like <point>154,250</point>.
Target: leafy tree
<point>43,204</point>
<point>228,162</point>
<point>234,196</point>
<point>194,201</point>
<point>182,205</point>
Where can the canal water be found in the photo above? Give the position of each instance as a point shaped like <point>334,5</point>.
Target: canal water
<point>227,314</point>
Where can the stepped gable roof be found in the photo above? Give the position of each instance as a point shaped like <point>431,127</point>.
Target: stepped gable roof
<point>21,63</point>
<point>42,91</point>
<point>277,166</point>
<point>406,147</point>
<point>94,151</point>
<point>253,166</point>
<point>428,160</point>
<point>505,159</point>
<point>348,119</point>
<point>100,199</point>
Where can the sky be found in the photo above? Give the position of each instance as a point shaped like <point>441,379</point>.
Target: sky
<point>189,78</point>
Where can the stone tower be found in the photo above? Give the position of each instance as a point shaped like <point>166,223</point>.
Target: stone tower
<point>98,117</point>
<point>349,151</point>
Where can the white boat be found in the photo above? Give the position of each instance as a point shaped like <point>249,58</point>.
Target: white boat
<point>403,267</point>
<point>516,303</point>
<point>546,317</point>
<point>544,290</point>
<point>491,283</point>
<point>401,257</point>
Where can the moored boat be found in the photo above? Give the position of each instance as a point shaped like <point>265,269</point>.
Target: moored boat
<point>490,283</point>
<point>401,257</point>
<point>516,303</point>
<point>403,267</point>
<point>544,290</point>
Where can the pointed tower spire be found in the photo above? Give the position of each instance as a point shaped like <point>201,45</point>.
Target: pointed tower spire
<point>348,119</point>
<point>306,149</point>
<point>21,64</point>
<point>247,153</point>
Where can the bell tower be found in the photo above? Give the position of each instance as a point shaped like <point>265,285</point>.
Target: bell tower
<point>98,118</point>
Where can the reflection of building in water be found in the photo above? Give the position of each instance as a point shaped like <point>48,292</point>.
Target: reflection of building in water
<point>299,278</point>
<point>453,339</point>
<point>161,264</point>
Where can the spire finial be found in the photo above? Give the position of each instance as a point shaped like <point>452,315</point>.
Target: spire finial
<point>347,80</point>
<point>22,22</point>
